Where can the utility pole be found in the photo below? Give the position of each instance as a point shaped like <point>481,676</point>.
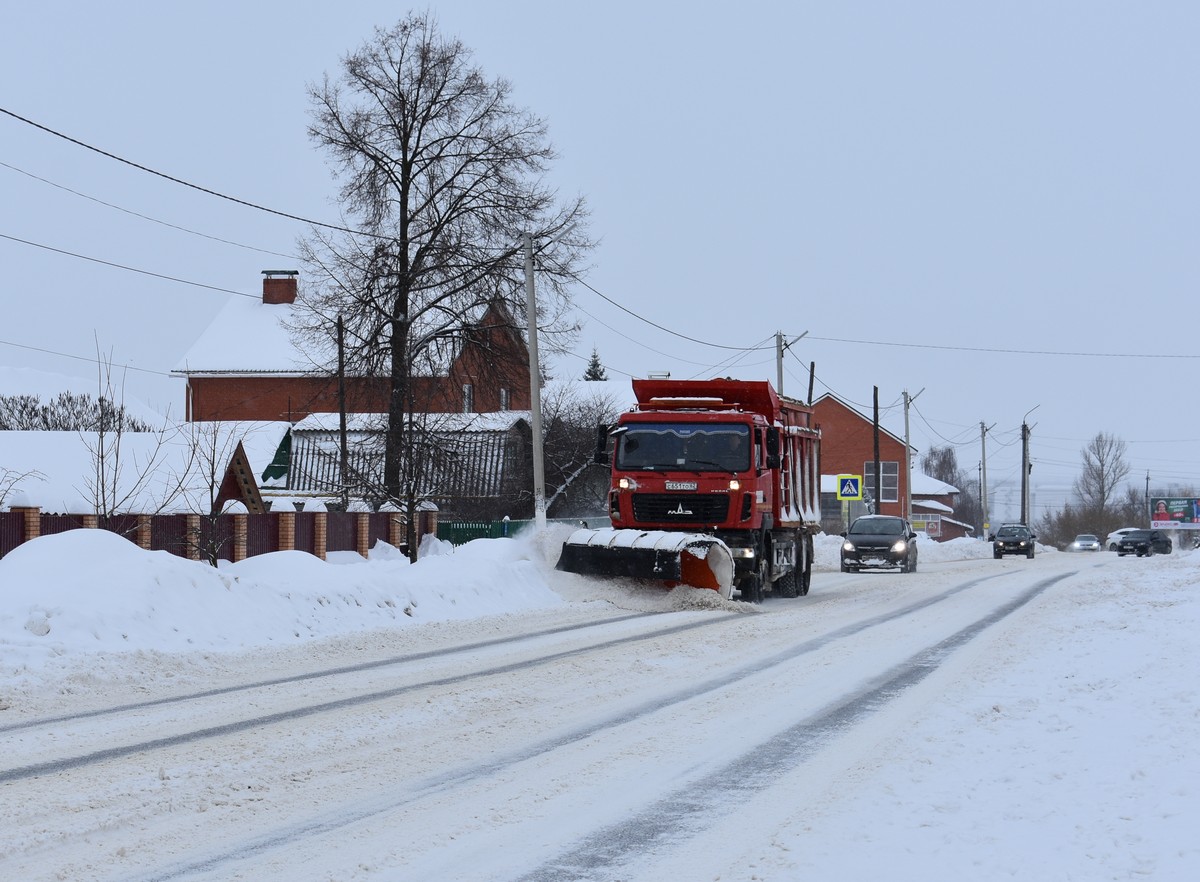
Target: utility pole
<point>983,476</point>
<point>535,393</point>
<point>779,362</point>
<point>1024,473</point>
<point>908,458</point>
<point>878,477</point>
<point>344,462</point>
<point>1026,465</point>
<point>781,346</point>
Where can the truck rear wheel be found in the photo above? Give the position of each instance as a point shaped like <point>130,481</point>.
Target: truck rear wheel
<point>806,571</point>
<point>789,585</point>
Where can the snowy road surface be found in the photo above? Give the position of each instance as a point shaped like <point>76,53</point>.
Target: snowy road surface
<point>585,741</point>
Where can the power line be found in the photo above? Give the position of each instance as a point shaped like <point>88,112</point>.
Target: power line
<point>130,269</point>
<point>660,327</point>
<point>145,216</point>
<point>127,367</point>
<point>999,351</point>
<point>184,183</point>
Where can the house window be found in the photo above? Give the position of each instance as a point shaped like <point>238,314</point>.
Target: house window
<point>889,485</point>
<point>468,398</point>
<point>504,399</point>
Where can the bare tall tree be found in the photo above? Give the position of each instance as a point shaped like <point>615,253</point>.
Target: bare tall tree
<point>442,175</point>
<point>942,463</point>
<point>1103,469</point>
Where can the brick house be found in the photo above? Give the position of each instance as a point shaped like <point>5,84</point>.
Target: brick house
<point>849,449</point>
<point>246,366</point>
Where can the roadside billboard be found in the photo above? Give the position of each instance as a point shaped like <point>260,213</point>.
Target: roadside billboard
<point>1175,513</point>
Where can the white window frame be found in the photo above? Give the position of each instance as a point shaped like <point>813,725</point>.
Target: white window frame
<point>889,486</point>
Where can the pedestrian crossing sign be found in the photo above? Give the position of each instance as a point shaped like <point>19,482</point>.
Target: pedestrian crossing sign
<point>849,487</point>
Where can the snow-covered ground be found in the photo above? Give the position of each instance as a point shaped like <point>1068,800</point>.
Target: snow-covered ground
<point>1069,753</point>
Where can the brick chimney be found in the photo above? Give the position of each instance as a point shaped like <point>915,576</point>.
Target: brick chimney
<point>279,286</point>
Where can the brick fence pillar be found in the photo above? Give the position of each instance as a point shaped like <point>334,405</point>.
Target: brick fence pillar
<point>192,539</point>
<point>143,532</point>
<point>31,527</point>
<point>287,531</point>
<point>362,537</point>
<point>397,528</point>
<point>91,522</point>
<point>239,537</point>
<point>427,522</point>
<point>320,534</point>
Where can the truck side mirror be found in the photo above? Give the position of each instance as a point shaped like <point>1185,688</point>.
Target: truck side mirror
<point>601,455</point>
<point>773,445</point>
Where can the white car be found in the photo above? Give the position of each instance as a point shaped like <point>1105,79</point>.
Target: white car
<point>1084,542</point>
<point>1115,536</point>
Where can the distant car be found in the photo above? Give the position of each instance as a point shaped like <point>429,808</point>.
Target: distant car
<point>1085,542</point>
<point>1012,539</point>
<point>1144,543</point>
<point>875,541</point>
<point>1115,536</point>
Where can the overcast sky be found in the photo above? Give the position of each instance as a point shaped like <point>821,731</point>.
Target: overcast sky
<point>991,205</point>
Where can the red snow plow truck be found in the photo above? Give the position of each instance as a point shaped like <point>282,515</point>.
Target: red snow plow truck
<point>715,484</point>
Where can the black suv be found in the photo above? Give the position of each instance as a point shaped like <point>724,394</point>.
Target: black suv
<point>879,541</point>
<point>1012,539</point>
<point>1144,543</point>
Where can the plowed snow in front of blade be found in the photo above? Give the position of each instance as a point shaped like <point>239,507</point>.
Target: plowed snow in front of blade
<point>688,558</point>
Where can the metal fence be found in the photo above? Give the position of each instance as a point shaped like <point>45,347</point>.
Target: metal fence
<point>461,532</point>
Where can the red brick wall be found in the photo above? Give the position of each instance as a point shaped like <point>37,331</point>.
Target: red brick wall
<point>494,358</point>
<point>847,442</point>
<point>277,398</point>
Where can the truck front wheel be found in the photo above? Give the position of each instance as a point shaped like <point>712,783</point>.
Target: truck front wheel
<point>752,588</point>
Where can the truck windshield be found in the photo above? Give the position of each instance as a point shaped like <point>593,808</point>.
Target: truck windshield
<point>684,447</point>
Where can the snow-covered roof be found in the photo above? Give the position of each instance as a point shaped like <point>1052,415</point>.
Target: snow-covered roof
<point>437,422</point>
<point>247,336</point>
<point>58,468</point>
<point>932,506</point>
<point>924,485</point>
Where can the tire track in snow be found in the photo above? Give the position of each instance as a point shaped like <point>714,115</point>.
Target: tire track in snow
<point>682,814</point>
<point>65,764</point>
<point>220,865</point>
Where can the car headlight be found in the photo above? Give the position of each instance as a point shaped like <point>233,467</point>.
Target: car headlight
<point>899,547</point>
<point>847,546</point>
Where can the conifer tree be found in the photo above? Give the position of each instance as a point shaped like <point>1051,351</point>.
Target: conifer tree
<point>595,370</point>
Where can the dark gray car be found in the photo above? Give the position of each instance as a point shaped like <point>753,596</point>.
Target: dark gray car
<point>1144,543</point>
<point>1013,539</point>
<point>877,541</point>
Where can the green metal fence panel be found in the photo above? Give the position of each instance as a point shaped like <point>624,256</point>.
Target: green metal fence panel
<point>461,532</point>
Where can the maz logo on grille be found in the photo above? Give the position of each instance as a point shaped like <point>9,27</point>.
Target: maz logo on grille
<point>679,510</point>
<point>680,485</point>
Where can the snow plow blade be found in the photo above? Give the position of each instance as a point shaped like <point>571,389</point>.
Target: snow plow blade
<point>681,558</point>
